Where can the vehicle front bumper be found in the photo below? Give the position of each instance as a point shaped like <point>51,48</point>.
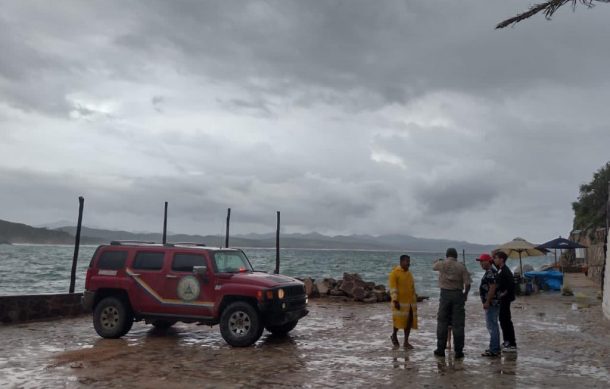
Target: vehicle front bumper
<point>278,312</point>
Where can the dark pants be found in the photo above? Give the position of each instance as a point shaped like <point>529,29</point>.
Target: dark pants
<point>450,312</point>
<point>506,323</point>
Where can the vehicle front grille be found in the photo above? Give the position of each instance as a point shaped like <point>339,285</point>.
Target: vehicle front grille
<point>295,290</point>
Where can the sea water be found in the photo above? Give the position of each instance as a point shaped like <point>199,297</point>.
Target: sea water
<point>37,269</point>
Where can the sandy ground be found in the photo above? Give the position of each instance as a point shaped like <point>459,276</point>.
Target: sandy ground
<point>563,342</point>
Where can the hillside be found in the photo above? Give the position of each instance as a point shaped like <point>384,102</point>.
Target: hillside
<point>305,241</point>
<point>22,233</point>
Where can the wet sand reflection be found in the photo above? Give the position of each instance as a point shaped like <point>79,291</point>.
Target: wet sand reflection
<point>337,345</point>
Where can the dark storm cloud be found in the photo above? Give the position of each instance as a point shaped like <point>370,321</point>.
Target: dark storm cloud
<point>348,116</point>
<point>384,52</point>
<point>454,196</point>
<point>157,102</point>
<point>257,107</point>
<point>391,49</point>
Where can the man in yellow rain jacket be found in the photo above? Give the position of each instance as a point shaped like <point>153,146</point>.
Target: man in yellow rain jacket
<point>404,300</point>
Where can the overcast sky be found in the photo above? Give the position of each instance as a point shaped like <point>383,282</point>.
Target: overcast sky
<point>373,117</point>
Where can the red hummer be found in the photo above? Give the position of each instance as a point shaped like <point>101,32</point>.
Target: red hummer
<point>162,284</point>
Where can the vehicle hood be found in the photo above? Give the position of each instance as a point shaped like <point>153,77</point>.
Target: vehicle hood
<point>263,279</point>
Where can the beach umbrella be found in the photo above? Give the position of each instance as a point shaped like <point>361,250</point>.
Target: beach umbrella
<point>562,244</point>
<point>519,248</point>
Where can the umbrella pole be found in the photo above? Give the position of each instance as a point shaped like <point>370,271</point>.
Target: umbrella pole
<point>555,259</point>
<point>521,267</point>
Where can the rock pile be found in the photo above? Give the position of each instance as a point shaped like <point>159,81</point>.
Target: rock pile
<point>352,286</point>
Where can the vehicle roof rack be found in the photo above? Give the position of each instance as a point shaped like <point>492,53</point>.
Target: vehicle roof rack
<point>122,242</point>
<point>189,244</point>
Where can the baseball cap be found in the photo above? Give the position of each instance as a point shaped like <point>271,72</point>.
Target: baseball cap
<point>485,257</point>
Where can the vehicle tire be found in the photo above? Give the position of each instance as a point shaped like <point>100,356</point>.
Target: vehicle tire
<point>241,324</point>
<point>163,324</point>
<point>112,318</point>
<point>283,329</point>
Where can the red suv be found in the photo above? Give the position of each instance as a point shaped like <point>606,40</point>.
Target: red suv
<point>163,284</point>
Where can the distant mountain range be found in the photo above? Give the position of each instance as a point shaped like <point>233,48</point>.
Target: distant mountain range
<point>21,233</point>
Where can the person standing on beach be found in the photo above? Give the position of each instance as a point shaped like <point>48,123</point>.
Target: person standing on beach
<point>404,300</point>
<point>491,305</point>
<point>506,295</point>
<point>454,281</point>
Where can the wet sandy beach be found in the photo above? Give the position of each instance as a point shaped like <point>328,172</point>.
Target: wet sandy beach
<point>563,342</point>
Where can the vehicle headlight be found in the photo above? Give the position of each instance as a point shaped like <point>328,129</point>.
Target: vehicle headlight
<point>281,294</point>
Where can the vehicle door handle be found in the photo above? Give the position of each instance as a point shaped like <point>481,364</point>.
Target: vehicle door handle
<point>170,276</point>
<point>135,274</point>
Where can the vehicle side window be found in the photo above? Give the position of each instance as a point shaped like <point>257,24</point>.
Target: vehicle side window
<point>230,262</point>
<point>112,260</point>
<point>146,260</point>
<point>185,262</point>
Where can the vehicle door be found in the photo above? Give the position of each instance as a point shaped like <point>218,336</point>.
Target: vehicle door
<point>187,293</point>
<point>148,273</point>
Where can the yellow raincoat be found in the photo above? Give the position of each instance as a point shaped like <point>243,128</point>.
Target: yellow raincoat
<point>402,289</point>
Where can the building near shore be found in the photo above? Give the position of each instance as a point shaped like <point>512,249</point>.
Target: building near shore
<point>593,260</point>
<point>606,296</point>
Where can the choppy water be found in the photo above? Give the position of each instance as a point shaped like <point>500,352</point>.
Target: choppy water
<point>33,269</point>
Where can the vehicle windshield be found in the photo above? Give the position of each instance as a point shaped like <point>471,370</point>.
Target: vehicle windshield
<point>231,262</point>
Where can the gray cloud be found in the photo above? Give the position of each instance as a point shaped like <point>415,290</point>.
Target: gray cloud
<point>348,116</point>
<point>382,53</point>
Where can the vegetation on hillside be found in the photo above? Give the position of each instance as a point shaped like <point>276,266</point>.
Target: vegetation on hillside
<point>590,209</point>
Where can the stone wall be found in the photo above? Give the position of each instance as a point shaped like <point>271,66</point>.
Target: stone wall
<point>595,241</point>
<point>15,309</point>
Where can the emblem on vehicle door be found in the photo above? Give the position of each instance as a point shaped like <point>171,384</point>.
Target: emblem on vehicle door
<point>188,288</point>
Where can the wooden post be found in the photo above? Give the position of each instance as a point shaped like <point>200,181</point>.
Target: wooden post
<point>228,222</point>
<point>277,245</point>
<point>464,256</point>
<point>165,224</point>
<point>81,203</point>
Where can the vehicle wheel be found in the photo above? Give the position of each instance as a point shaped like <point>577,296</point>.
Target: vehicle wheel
<point>163,324</point>
<point>112,318</point>
<point>282,329</point>
<point>240,324</point>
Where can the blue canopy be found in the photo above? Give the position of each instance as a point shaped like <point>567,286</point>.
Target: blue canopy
<point>561,243</point>
<point>552,279</point>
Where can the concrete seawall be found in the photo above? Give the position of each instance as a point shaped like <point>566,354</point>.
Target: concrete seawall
<point>16,309</point>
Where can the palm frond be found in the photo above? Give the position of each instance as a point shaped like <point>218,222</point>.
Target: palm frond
<point>549,8</point>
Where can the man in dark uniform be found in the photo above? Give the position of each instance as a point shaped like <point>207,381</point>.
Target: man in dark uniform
<point>454,281</point>
<point>506,294</point>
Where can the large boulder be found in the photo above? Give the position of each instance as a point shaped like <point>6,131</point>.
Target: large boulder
<point>381,295</point>
<point>310,287</point>
<point>351,282</point>
<point>337,293</point>
<point>359,293</point>
<point>371,299</point>
<point>324,286</point>
<point>351,287</point>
